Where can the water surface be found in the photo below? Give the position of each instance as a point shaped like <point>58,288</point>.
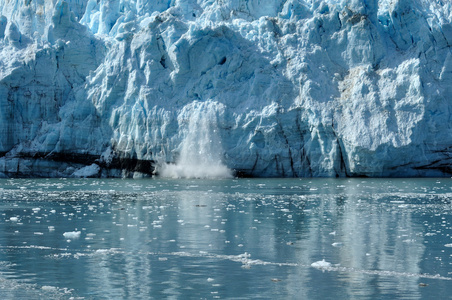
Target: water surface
<point>225,239</point>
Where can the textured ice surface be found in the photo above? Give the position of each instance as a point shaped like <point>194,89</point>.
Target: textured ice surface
<point>292,87</point>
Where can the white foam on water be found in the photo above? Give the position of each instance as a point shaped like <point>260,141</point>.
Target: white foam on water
<point>388,273</point>
<point>199,170</point>
<point>323,265</point>
<point>244,259</point>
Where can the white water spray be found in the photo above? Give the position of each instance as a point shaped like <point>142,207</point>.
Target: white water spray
<point>201,150</point>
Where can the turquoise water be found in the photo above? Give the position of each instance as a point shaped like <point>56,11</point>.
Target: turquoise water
<point>226,239</point>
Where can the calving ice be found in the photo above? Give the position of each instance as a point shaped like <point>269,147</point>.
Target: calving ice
<point>200,153</point>
<point>265,88</point>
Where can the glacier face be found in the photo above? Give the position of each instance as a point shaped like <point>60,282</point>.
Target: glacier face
<point>292,87</point>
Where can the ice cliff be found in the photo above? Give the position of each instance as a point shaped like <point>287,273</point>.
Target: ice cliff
<point>270,88</point>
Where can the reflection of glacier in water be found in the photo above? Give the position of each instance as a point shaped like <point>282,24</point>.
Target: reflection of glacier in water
<point>201,150</point>
<point>238,238</point>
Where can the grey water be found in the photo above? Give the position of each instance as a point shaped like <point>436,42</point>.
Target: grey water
<point>226,239</point>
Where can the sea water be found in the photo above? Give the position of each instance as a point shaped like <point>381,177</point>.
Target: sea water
<point>225,239</point>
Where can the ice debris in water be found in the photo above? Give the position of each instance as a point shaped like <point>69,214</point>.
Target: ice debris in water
<point>72,234</point>
<point>102,251</point>
<point>321,265</point>
<point>245,259</point>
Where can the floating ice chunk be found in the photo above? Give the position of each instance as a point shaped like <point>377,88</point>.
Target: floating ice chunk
<point>337,244</point>
<point>448,245</point>
<point>321,265</point>
<point>210,279</point>
<point>14,219</point>
<point>102,251</point>
<point>36,209</point>
<point>72,234</point>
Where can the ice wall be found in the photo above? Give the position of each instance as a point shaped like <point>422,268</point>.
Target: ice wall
<point>300,87</point>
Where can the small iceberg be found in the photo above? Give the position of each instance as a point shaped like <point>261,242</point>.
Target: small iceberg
<point>321,265</point>
<point>72,234</point>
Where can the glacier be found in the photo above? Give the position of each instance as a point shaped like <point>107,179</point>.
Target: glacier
<point>282,88</point>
